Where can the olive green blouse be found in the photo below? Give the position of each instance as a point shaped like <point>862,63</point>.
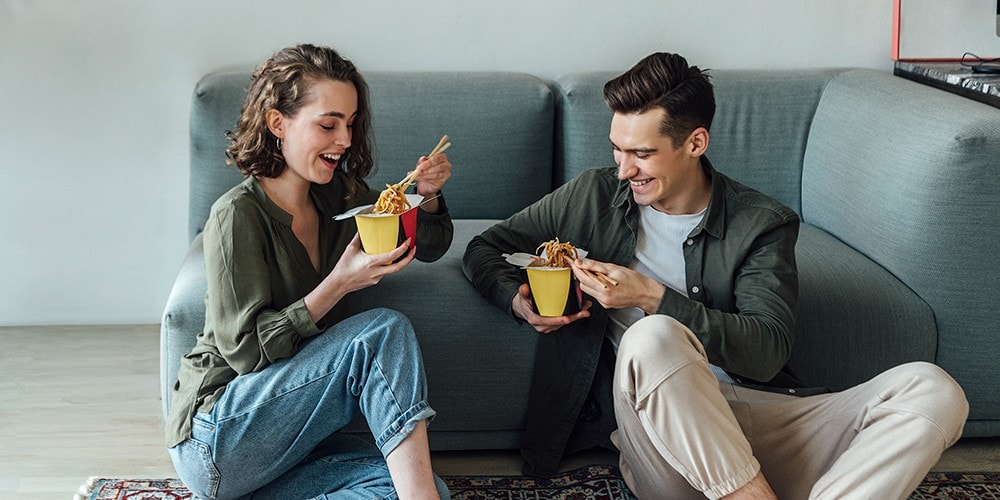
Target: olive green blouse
<point>258,275</point>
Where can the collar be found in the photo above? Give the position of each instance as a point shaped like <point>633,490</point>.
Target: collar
<point>273,210</point>
<point>320,198</point>
<point>714,222</point>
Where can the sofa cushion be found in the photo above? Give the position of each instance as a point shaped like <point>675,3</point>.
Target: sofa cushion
<point>855,319</point>
<point>758,136</point>
<point>500,126</point>
<point>478,360</point>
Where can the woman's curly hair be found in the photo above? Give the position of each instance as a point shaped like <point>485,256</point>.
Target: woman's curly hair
<point>283,83</point>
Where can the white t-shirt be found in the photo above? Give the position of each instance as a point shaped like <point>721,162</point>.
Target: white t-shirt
<point>659,254</point>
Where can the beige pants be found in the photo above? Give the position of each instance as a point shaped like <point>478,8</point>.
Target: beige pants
<point>684,434</point>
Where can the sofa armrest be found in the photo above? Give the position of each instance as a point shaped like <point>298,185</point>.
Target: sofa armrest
<point>183,317</point>
<point>906,174</point>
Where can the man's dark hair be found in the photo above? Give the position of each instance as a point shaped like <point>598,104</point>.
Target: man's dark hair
<point>667,81</point>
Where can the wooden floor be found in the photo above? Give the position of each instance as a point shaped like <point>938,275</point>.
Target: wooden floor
<point>77,402</point>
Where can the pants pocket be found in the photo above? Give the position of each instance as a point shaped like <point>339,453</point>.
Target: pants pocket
<point>195,466</point>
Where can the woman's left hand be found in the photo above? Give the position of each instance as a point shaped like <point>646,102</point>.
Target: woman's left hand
<point>432,173</point>
<point>355,270</point>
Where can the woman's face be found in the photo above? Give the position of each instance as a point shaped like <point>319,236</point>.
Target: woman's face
<point>315,138</point>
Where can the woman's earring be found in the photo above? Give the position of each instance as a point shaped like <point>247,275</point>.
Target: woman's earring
<point>277,141</point>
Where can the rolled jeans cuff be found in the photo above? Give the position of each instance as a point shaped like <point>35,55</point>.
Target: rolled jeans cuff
<point>403,426</point>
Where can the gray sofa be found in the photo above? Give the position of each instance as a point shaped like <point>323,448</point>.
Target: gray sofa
<point>897,185</point>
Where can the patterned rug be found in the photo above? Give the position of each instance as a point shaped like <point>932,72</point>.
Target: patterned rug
<point>960,485</point>
<point>596,482</point>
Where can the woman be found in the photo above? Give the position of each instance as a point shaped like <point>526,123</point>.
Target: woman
<point>281,366</point>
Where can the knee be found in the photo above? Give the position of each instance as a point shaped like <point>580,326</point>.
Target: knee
<point>930,391</point>
<point>390,324</point>
<point>660,340</point>
<point>388,316</point>
<point>934,384</point>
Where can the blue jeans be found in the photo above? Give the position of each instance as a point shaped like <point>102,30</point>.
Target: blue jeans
<point>273,433</point>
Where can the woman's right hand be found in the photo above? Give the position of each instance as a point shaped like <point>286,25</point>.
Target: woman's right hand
<point>354,271</point>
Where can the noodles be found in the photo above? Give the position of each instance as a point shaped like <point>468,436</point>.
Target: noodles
<point>557,254</point>
<point>393,200</point>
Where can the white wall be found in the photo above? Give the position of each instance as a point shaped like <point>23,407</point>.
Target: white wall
<point>94,101</point>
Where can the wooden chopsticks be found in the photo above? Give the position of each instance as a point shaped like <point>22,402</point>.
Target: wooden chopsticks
<point>442,145</point>
<point>604,278</point>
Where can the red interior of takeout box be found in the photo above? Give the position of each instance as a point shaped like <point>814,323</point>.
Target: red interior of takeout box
<point>409,219</point>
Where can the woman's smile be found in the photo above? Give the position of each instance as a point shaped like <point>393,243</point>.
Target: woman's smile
<point>331,160</point>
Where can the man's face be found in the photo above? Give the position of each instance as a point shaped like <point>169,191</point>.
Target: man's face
<point>669,179</point>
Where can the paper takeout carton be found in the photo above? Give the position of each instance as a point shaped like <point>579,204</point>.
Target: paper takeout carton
<point>554,290</point>
<point>380,232</point>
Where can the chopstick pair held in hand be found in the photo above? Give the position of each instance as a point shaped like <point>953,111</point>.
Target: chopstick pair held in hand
<point>603,278</point>
<point>393,200</point>
<point>442,145</point>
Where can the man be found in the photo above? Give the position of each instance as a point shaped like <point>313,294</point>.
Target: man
<point>701,320</point>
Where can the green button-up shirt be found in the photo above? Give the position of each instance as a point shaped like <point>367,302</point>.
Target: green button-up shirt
<point>742,293</point>
<point>258,275</point>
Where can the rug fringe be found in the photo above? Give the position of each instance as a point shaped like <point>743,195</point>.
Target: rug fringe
<point>86,489</point>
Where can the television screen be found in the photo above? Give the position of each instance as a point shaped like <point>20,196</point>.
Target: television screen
<point>935,30</point>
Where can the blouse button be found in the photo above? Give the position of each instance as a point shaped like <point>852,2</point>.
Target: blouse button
<point>695,289</point>
<point>689,242</point>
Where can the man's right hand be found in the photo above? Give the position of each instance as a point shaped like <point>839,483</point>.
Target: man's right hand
<point>522,306</point>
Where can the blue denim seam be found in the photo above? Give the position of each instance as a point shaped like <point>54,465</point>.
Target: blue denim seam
<point>400,428</point>
<point>392,496</point>
<point>377,367</point>
<point>214,413</point>
<point>208,425</point>
<point>266,401</point>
